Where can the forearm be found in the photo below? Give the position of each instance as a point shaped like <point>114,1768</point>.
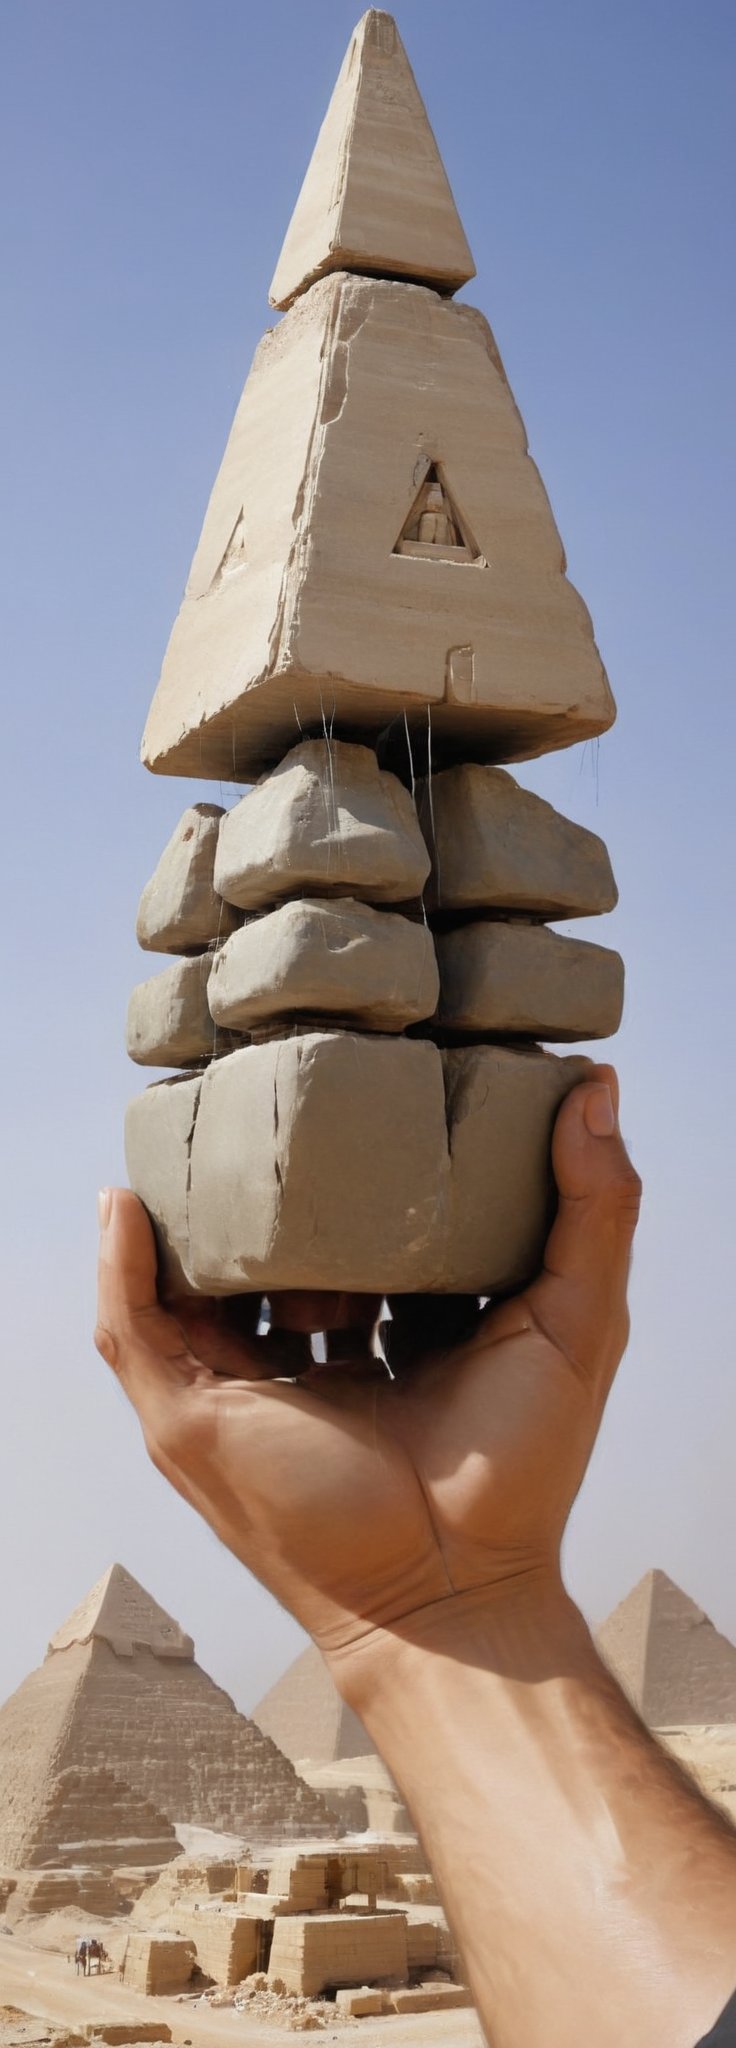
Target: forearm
<point>591,1890</point>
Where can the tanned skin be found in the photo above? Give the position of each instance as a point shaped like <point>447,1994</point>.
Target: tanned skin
<point>414,1527</point>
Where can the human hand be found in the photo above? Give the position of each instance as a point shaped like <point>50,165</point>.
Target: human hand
<point>359,1499</point>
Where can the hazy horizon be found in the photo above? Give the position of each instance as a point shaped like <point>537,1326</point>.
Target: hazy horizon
<point>152,160</point>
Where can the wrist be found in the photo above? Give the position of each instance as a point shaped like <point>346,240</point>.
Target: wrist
<point>520,1627</point>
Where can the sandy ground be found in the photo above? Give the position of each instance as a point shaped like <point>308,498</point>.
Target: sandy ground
<point>45,1986</point>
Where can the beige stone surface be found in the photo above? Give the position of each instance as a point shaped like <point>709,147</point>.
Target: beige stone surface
<point>376,195</point>
<point>314,956</point>
<point>316,1952</point>
<point>361,1162</point>
<point>179,911</point>
<point>146,1712</point>
<point>357,2004</point>
<point>318,1161</point>
<point>156,1963</point>
<point>169,1022</point>
<point>506,977</point>
<point>327,818</point>
<point>158,1135</point>
<point>665,1652</point>
<point>319,617</point>
<point>501,1107</point>
<point>226,1944</point>
<point>118,2033</point>
<point>430,1998</point>
<point>119,1611</point>
<point>361,1794</point>
<point>497,846</point>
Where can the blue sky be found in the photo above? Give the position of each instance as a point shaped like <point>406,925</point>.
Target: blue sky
<point>152,155</point>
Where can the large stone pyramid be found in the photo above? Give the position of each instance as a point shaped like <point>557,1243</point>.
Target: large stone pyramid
<point>120,1708</point>
<point>668,1657</point>
<point>304,1714</point>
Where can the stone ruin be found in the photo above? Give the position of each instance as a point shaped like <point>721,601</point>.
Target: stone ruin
<point>363,970</point>
<point>353,1923</point>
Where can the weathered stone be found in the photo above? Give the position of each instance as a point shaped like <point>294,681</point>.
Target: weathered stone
<point>317,594</point>
<point>316,1160</point>
<point>359,2004</point>
<point>375,196</point>
<point>316,956</point>
<point>315,1952</point>
<point>523,978</point>
<point>179,911</point>
<point>324,1161</point>
<point>326,818</point>
<point>501,1107</point>
<point>497,846</point>
<point>430,1998</point>
<point>158,1134</point>
<point>169,1022</point>
<point>157,1964</point>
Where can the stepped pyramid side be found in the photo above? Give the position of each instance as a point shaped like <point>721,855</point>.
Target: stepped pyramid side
<point>92,1817</point>
<point>33,1732</point>
<point>304,1714</point>
<point>666,1653</point>
<point>376,195</point>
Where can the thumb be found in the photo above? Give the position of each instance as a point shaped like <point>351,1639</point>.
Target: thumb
<point>144,1345</point>
<point>580,1296</point>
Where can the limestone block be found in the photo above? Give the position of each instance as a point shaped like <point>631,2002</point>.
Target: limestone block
<point>363,1163</point>
<point>523,978</point>
<point>120,2033</point>
<point>323,956</point>
<point>179,911</point>
<point>307,600</point>
<point>497,846</point>
<point>501,1107</point>
<point>430,1998</point>
<point>327,818</point>
<point>318,1951</point>
<point>158,1134</point>
<point>375,196</point>
<point>315,1159</point>
<point>158,1964</point>
<point>169,1022</point>
<point>359,2004</point>
<point>227,1945</point>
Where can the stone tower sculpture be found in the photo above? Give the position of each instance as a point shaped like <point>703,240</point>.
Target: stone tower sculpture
<point>376,616</point>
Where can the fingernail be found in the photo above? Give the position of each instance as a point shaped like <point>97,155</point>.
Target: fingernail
<point>599,1114</point>
<point>104,1207</point>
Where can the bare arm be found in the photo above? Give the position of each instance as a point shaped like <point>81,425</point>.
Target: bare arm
<point>415,1528</point>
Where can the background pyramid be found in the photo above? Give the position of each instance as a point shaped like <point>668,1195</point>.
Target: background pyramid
<point>146,1713</point>
<point>668,1657</point>
<point>305,1715</point>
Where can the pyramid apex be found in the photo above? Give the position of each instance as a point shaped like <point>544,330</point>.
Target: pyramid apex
<point>119,1611</point>
<point>376,198</point>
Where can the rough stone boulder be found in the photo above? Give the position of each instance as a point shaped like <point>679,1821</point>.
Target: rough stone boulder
<point>318,955</point>
<point>327,818</point>
<point>179,911</point>
<point>520,978</point>
<point>496,846</point>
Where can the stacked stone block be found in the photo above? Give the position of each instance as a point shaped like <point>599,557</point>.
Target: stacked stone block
<point>377,615</point>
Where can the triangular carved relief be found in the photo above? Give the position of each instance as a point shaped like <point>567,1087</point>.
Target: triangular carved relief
<point>235,555</point>
<point>435,529</point>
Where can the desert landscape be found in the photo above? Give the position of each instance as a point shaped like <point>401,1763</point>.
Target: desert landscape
<point>258,1874</point>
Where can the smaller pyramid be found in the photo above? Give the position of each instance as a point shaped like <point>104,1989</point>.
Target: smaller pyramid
<point>668,1657</point>
<point>435,530</point>
<point>375,198</point>
<point>306,1718</point>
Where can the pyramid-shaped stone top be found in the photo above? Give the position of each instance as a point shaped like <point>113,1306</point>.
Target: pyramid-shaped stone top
<point>667,1655</point>
<point>376,197</point>
<point>120,1612</point>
